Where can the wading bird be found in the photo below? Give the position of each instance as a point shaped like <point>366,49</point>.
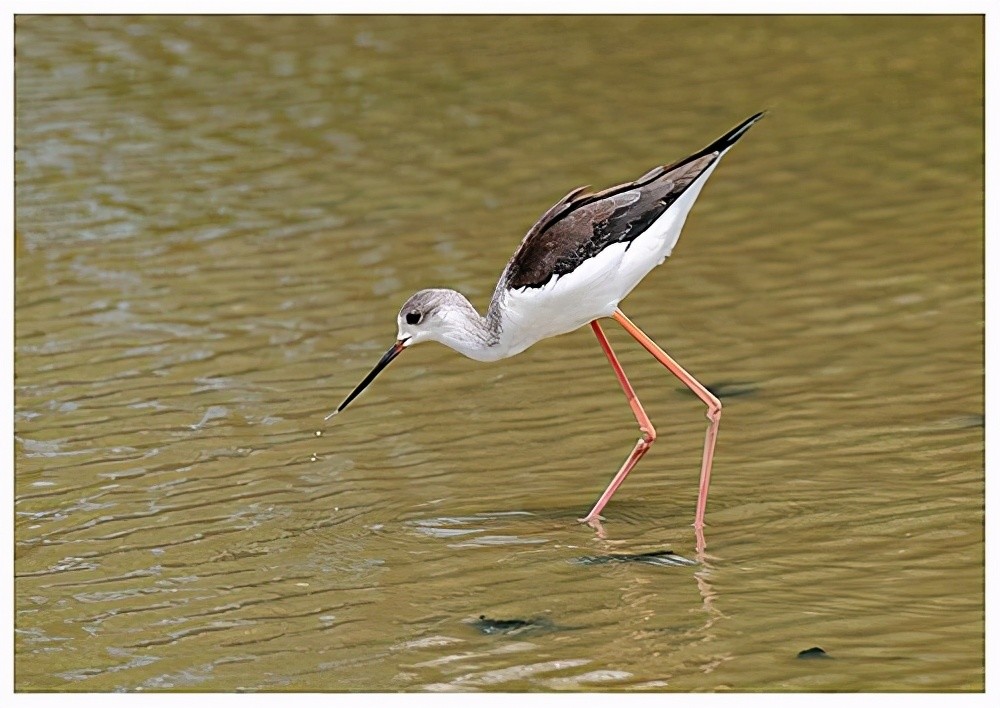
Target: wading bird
<point>581,258</point>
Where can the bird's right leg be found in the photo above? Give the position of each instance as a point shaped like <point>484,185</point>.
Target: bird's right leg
<point>708,398</point>
<point>648,433</point>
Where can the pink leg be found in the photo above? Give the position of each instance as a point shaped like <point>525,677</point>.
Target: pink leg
<point>645,427</point>
<point>713,403</point>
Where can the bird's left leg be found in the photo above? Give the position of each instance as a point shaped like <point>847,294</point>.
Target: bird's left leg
<point>648,433</point>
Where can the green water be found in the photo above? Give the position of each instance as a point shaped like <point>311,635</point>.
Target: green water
<point>217,219</point>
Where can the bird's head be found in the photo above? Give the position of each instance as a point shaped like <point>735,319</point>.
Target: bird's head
<point>435,315</point>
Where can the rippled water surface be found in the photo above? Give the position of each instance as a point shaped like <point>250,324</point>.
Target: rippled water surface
<point>217,220</point>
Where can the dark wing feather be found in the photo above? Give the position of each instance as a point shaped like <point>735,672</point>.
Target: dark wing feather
<point>581,225</point>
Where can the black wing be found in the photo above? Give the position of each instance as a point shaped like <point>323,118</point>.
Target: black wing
<point>581,225</point>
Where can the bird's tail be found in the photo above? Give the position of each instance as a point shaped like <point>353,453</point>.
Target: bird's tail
<point>725,142</point>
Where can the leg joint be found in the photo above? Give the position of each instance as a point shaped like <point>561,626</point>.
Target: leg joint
<point>714,410</point>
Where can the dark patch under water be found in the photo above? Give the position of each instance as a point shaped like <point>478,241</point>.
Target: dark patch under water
<point>813,653</point>
<point>728,389</point>
<point>487,625</point>
<point>660,558</point>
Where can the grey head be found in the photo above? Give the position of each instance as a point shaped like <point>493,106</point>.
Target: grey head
<point>433,315</point>
<point>439,315</point>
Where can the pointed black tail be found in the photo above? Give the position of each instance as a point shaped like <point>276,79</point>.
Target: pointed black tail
<point>725,142</point>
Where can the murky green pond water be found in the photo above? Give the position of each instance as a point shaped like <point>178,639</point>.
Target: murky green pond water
<point>217,220</point>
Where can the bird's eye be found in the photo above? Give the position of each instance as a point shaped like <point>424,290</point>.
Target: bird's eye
<point>412,318</point>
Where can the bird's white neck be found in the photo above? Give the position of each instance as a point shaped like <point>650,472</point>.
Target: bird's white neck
<point>455,323</point>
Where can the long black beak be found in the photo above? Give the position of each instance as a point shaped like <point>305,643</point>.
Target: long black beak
<point>394,351</point>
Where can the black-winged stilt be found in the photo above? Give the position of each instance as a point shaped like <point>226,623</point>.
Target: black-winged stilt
<point>581,258</point>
